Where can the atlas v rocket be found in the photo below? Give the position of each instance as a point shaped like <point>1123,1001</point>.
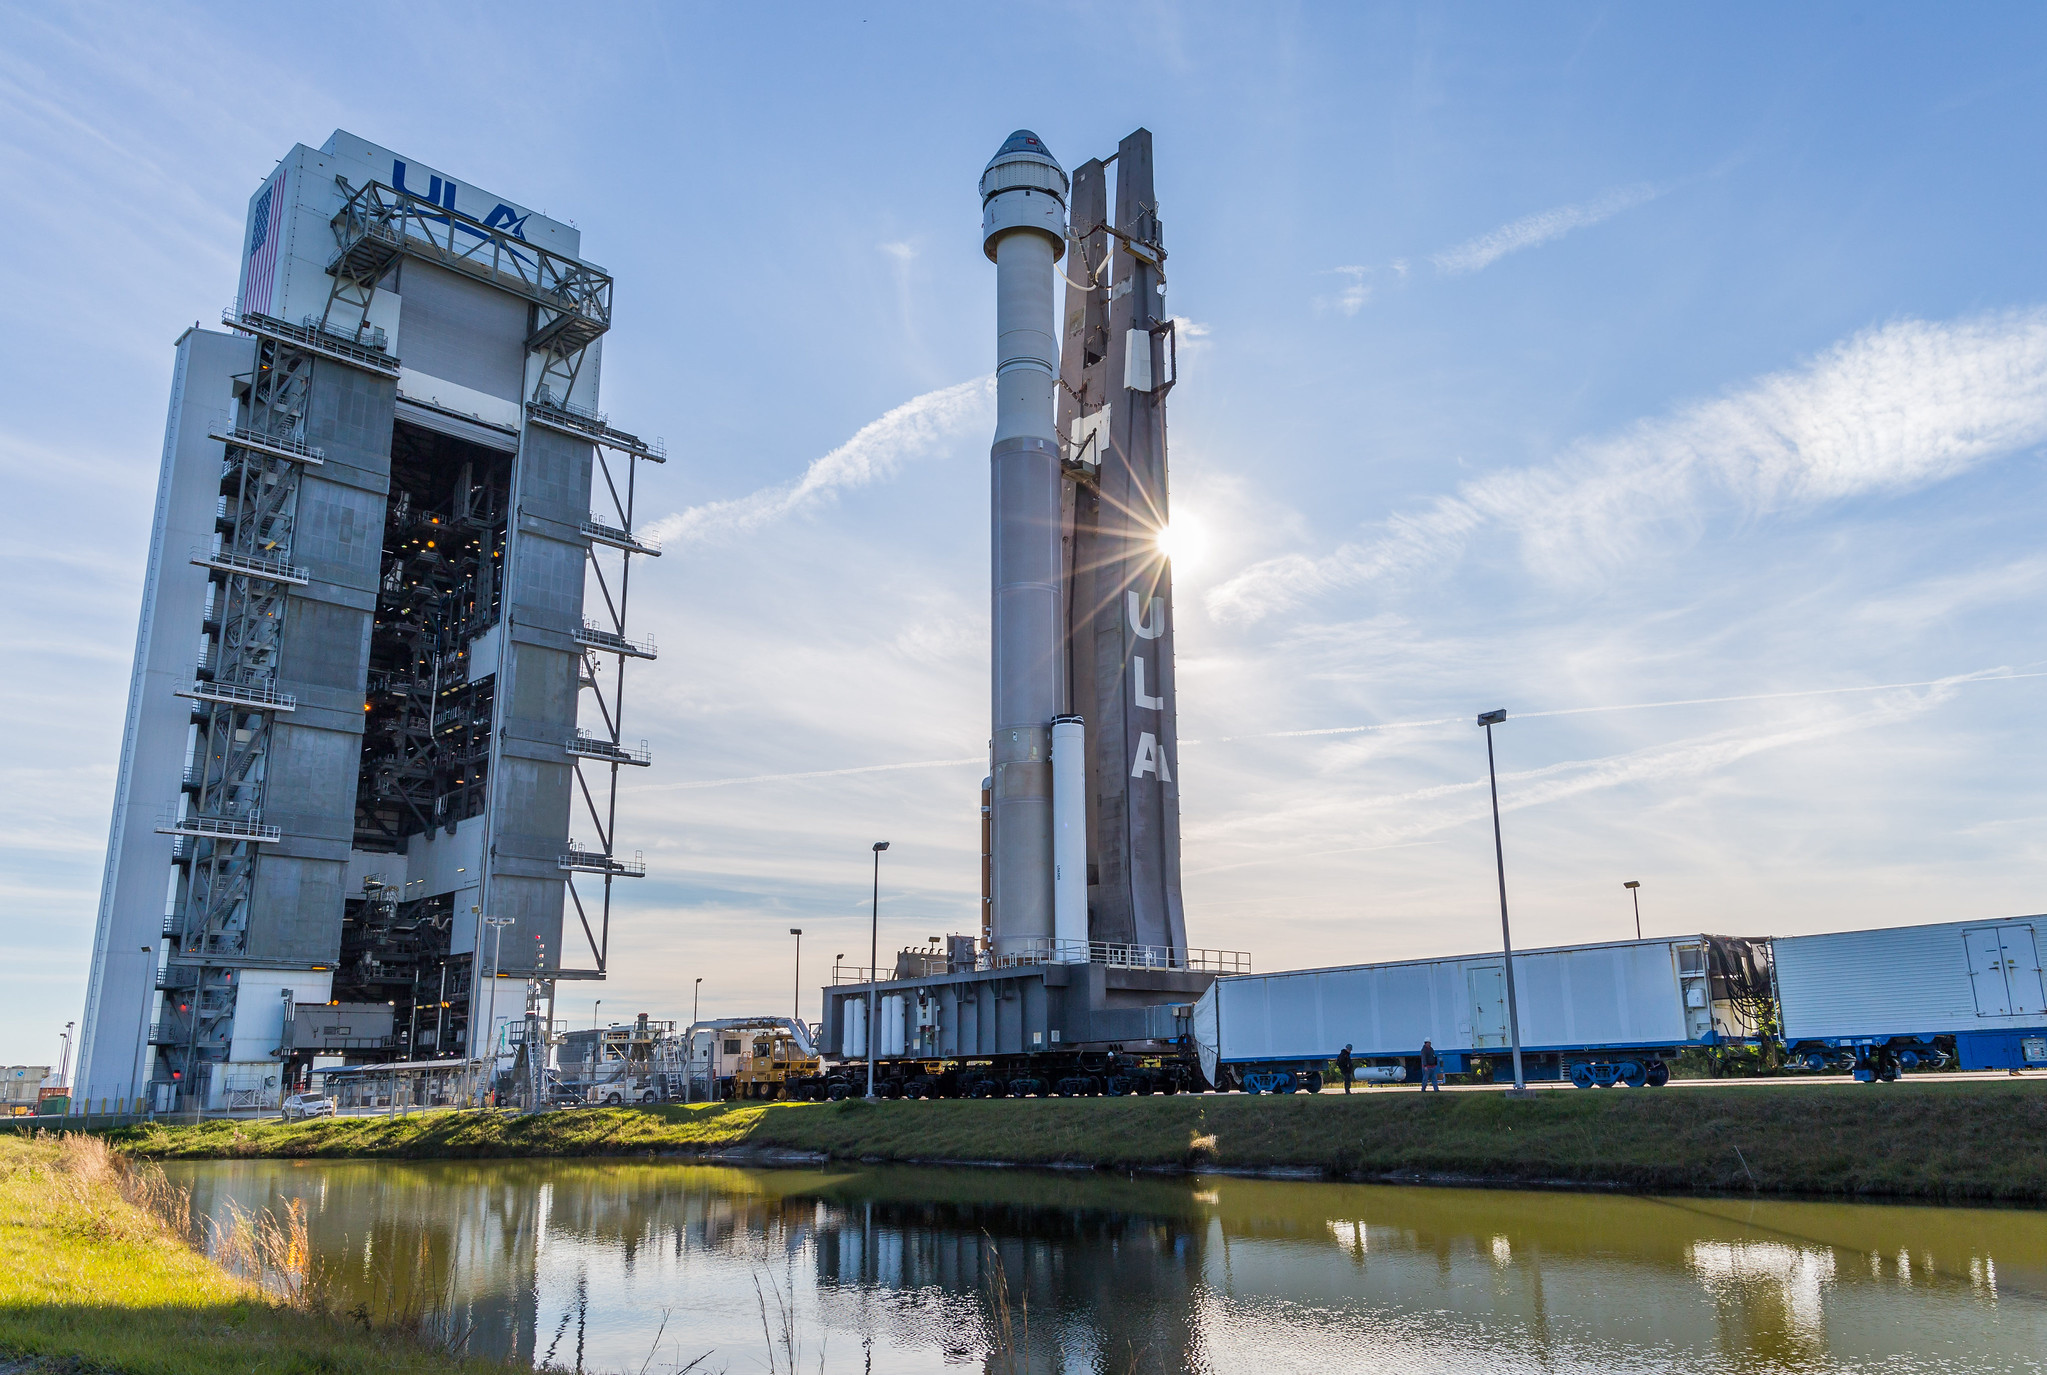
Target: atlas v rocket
<point>1082,797</point>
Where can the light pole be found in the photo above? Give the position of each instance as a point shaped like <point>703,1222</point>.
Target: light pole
<point>142,1031</point>
<point>797,932</point>
<point>497,927</point>
<point>696,998</point>
<point>1635,890</point>
<point>64,1062</point>
<point>873,962</point>
<point>836,959</point>
<point>593,1013</point>
<point>1489,720</point>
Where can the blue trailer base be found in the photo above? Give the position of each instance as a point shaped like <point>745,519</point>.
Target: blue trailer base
<point>2001,1049</point>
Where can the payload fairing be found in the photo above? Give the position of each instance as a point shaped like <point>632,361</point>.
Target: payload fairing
<point>1085,844</point>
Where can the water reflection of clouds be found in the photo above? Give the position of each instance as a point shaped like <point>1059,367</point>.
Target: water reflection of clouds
<point>1752,1271</point>
<point>894,1269</point>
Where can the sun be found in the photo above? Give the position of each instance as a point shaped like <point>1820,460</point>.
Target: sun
<point>1181,542</point>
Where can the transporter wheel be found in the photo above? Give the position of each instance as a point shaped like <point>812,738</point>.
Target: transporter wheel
<point>1659,1074</point>
<point>647,1096</point>
<point>1631,1073</point>
<point>1581,1075</point>
<point>1888,1071</point>
<point>614,1099</point>
<point>1117,1086</point>
<point>1311,1082</point>
<point>837,1093</point>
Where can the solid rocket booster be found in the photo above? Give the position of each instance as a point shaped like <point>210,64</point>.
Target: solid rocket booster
<point>1023,231</point>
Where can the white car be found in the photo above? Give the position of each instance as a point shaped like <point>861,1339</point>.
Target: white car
<point>300,1106</point>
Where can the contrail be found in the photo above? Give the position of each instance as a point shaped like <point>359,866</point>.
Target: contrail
<point>1988,675</point>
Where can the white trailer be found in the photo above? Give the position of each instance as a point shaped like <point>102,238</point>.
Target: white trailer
<point>1884,1000</point>
<point>1614,1012</point>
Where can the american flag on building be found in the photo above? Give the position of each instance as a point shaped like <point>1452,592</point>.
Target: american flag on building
<point>265,234</point>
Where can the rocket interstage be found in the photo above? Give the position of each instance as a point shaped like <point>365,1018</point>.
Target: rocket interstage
<point>1084,806</point>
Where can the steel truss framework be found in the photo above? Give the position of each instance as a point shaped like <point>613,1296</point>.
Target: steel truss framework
<point>571,309</point>
<point>613,544</point>
<point>427,721</point>
<point>219,817</point>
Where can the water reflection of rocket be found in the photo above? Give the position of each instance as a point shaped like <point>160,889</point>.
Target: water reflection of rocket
<point>1084,798</point>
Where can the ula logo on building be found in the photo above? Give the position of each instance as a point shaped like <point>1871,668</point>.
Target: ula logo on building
<point>442,193</point>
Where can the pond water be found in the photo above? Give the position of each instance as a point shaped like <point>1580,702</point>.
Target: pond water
<point>605,1266</point>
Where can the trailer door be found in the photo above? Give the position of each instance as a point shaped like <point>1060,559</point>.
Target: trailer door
<point>2022,970</point>
<point>1488,1005</point>
<point>1985,945</point>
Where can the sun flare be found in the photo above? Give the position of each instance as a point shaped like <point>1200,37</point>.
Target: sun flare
<point>1181,542</point>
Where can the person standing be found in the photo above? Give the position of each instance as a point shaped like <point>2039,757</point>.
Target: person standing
<point>1344,1063</point>
<point>1432,1068</point>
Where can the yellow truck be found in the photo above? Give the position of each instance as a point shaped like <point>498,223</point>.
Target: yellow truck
<point>777,1068</point>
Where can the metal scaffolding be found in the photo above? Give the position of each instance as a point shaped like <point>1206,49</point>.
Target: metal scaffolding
<point>431,767</point>
<point>218,818</point>
<point>613,545</point>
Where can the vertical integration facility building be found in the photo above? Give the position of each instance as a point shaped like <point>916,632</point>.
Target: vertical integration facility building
<point>376,718</point>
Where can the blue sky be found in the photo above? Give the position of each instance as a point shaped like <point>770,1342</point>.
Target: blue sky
<point>1674,379</point>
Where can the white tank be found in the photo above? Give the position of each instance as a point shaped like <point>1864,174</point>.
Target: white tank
<point>892,1012</point>
<point>1069,839</point>
<point>855,1037</point>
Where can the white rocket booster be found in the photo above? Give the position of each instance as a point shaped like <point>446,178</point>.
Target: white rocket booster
<point>1023,231</point>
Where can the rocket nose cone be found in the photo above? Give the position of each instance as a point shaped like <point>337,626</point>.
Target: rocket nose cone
<point>1024,145</point>
<point>1022,141</point>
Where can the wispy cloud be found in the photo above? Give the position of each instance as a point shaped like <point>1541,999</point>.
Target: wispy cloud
<point>1474,255</point>
<point>923,425</point>
<point>1322,822</point>
<point>1894,408</point>
<point>1356,289</point>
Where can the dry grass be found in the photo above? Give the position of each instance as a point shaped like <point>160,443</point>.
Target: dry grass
<point>103,1267</point>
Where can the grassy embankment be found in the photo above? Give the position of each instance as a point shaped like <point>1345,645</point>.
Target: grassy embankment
<point>96,1273</point>
<point>1958,1141</point>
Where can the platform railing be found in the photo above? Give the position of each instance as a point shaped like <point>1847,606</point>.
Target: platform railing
<point>1042,950</point>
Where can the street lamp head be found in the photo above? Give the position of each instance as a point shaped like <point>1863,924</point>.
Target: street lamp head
<point>880,845</point>
<point>1631,883</point>
<point>1492,718</point>
<point>700,978</point>
<point>795,930</point>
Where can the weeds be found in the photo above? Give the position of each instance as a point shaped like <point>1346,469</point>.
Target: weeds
<point>1009,1336</point>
